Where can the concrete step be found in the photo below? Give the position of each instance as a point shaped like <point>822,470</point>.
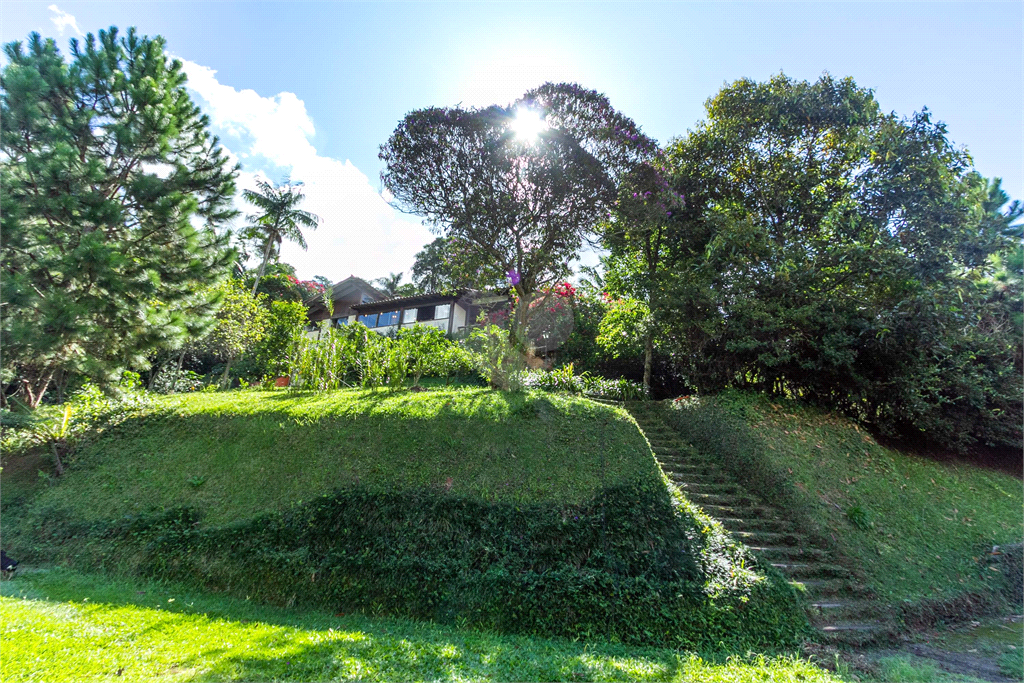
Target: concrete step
<point>697,477</point>
<point>785,552</point>
<point>811,570</point>
<point>744,511</point>
<point>730,500</point>
<point>713,488</point>
<point>768,538</point>
<point>857,634</point>
<point>684,467</point>
<point>756,524</point>
<point>818,590</point>
<point>834,610</point>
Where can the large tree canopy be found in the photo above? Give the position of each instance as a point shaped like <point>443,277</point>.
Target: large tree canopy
<point>835,252</point>
<point>112,190</point>
<point>522,204</point>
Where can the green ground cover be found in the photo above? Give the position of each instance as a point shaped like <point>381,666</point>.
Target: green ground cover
<point>917,529</point>
<point>78,627</point>
<point>233,454</point>
<point>524,513</point>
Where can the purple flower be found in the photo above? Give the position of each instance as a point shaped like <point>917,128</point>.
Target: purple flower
<point>513,277</point>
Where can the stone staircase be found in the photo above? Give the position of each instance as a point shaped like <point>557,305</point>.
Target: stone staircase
<point>839,606</point>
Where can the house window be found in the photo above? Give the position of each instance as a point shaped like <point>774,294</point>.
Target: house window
<point>368,320</point>
<point>442,312</point>
<point>389,318</point>
<point>408,316</point>
<point>425,313</point>
<point>338,322</point>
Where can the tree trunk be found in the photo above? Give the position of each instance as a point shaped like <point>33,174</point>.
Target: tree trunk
<point>225,380</point>
<point>648,352</point>
<point>58,464</point>
<point>177,372</point>
<point>263,265</point>
<point>34,390</point>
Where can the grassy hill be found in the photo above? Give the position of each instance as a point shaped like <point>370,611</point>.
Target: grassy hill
<point>235,454</point>
<point>917,529</point>
<point>520,513</point>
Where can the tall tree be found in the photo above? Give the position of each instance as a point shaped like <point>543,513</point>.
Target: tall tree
<point>640,237</point>
<point>389,284</point>
<point>445,265</point>
<point>113,188</point>
<point>520,186</point>
<point>241,323</point>
<point>277,219</point>
<point>832,252</point>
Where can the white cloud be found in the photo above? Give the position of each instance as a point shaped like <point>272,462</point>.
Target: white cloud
<point>62,20</point>
<point>360,234</point>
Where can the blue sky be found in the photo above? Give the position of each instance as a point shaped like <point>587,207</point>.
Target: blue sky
<point>313,89</point>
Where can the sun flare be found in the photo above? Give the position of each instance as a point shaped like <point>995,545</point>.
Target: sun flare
<point>528,124</point>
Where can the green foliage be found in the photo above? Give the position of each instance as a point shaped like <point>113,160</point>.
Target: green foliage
<point>284,286</point>
<point>624,327</point>
<point>563,379</point>
<point>497,358</point>
<point>107,248</point>
<point>484,512</point>
<point>834,253</point>
<point>353,356</point>
<point>523,207</point>
<point>277,218</point>
<point>918,530</point>
<point>581,347</point>
<point>241,323</point>
<point>285,324</point>
<point>428,350</point>
<point>445,265</point>
<point>83,417</point>
<point>172,381</point>
<point>147,629</point>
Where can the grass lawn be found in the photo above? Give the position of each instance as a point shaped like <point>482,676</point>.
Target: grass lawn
<point>64,626</point>
<point>916,528</point>
<point>235,454</point>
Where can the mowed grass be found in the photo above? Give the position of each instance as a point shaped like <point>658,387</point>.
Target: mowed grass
<point>234,454</point>
<point>63,626</point>
<point>917,528</point>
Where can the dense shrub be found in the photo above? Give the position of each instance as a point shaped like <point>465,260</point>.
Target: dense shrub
<point>563,379</point>
<point>354,356</point>
<point>630,564</point>
<point>85,413</point>
<point>174,381</point>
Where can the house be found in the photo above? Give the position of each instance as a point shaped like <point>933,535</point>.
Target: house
<point>345,294</point>
<point>453,312</point>
<point>356,300</point>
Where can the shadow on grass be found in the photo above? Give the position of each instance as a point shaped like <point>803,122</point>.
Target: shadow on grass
<point>280,644</point>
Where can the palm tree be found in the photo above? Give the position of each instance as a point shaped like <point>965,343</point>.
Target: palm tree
<point>279,219</point>
<point>389,284</point>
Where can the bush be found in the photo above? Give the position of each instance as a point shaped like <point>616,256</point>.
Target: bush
<point>272,354</point>
<point>83,415</point>
<point>174,381</point>
<point>563,379</point>
<point>354,356</point>
<point>497,359</point>
<point>629,564</point>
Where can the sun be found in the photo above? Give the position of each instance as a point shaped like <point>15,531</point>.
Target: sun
<point>528,124</point>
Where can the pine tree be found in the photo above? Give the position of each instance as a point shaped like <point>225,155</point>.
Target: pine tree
<point>113,188</point>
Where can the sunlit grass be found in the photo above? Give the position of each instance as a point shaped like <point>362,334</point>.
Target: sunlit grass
<point>235,454</point>
<point>63,626</point>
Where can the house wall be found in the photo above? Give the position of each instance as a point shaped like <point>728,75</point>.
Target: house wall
<point>460,318</point>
